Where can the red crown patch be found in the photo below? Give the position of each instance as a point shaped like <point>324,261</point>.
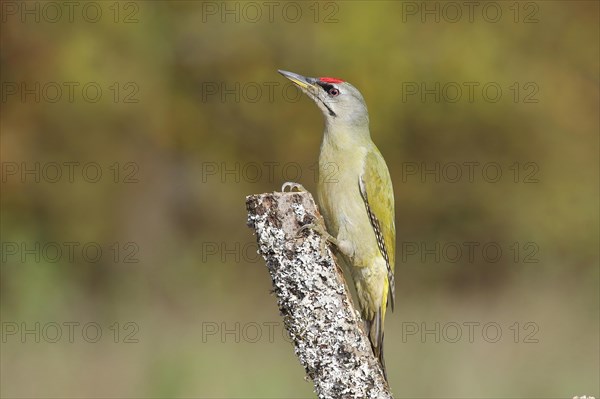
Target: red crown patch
<point>331,80</point>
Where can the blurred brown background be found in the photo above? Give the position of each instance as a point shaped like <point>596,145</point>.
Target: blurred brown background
<point>179,106</point>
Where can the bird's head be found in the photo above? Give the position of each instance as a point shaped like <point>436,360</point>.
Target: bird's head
<point>340,102</point>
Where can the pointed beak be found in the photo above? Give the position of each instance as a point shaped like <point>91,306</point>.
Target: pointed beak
<point>303,82</point>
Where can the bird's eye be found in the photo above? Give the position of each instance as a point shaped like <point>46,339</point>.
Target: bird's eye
<point>333,92</point>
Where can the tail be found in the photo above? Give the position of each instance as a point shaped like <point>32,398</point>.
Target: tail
<point>375,330</point>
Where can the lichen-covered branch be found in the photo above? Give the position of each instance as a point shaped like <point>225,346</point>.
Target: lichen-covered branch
<point>313,299</point>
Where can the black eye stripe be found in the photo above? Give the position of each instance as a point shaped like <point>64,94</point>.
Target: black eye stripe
<point>325,86</point>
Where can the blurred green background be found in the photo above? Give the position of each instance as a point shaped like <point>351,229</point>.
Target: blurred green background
<point>193,116</point>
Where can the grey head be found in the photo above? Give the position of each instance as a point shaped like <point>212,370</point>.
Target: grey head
<point>341,103</point>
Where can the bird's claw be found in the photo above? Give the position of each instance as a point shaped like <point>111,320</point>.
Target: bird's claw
<point>308,226</point>
<point>291,186</point>
<point>320,230</point>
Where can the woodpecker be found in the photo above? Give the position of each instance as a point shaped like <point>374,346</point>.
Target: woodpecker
<point>356,198</point>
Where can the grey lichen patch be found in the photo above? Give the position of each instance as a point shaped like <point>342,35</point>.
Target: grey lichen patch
<point>313,299</point>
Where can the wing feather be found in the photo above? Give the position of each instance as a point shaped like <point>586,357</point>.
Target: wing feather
<point>378,195</point>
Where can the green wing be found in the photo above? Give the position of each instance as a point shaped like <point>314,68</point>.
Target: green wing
<point>377,193</point>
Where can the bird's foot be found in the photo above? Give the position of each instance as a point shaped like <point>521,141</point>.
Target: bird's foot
<point>320,230</point>
<point>291,186</point>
